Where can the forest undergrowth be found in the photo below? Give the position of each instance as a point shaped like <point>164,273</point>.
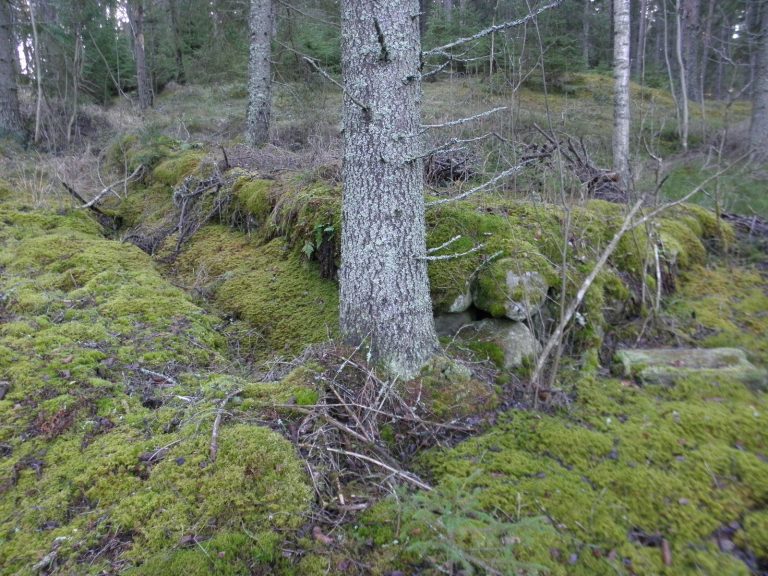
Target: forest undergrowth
<point>173,400</point>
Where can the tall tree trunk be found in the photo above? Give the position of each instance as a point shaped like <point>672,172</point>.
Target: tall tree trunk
<point>384,284</point>
<point>10,117</point>
<point>448,9</point>
<point>38,72</point>
<point>705,49</point>
<point>621,90</point>
<point>260,73</point>
<point>639,60</point>
<point>135,9</point>
<point>758,129</point>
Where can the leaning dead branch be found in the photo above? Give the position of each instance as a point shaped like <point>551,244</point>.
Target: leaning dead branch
<point>105,220</point>
<point>628,224</point>
<point>461,121</point>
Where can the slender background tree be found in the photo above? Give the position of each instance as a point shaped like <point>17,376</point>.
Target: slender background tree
<point>621,113</point>
<point>261,23</point>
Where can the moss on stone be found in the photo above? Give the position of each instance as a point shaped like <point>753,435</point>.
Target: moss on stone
<point>172,170</point>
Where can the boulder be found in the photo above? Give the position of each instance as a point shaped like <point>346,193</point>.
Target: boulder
<point>515,339</point>
<point>450,324</point>
<point>504,290</point>
<point>669,365</point>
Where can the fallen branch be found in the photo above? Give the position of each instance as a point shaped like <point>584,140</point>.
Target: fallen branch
<point>399,473</point>
<point>105,220</point>
<point>461,121</point>
<point>96,199</point>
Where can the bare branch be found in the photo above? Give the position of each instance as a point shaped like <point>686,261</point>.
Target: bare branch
<point>463,120</point>
<point>96,199</point>
<point>404,475</point>
<point>444,244</point>
<point>511,24</point>
<point>331,79</point>
<point>310,16</point>
<point>485,186</point>
<point>453,256</point>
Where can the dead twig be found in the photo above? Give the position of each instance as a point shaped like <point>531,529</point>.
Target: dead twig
<point>410,478</point>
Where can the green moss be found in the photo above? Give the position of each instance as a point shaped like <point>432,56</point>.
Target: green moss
<point>488,351</point>
<point>106,423</point>
<point>448,390</point>
<point>267,286</point>
<point>676,462</point>
<point>254,197</point>
<point>134,150</point>
<point>308,216</point>
<point>725,307</point>
<point>178,166</point>
<point>754,535</point>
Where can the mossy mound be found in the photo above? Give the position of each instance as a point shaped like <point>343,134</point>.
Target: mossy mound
<point>624,470</point>
<point>106,413</point>
<point>269,286</point>
<point>513,266</point>
<point>725,306</point>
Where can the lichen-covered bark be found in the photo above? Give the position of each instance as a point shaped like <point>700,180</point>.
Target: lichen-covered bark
<point>384,285</point>
<point>621,90</point>
<point>758,130</point>
<point>10,118</point>
<point>136,20</point>
<point>259,72</point>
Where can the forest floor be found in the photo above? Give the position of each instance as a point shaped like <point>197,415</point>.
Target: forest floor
<point>173,401</point>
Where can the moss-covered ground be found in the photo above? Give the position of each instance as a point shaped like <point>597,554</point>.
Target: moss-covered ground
<point>110,381</point>
<point>115,365</point>
<point>625,479</point>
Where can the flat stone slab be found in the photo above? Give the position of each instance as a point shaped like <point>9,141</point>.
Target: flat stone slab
<point>668,365</point>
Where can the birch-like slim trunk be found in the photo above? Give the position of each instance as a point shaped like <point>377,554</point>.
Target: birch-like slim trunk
<point>260,73</point>
<point>679,33</point>
<point>621,41</point>
<point>135,10</point>
<point>758,128</point>
<point>385,297</point>
<point>10,117</point>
